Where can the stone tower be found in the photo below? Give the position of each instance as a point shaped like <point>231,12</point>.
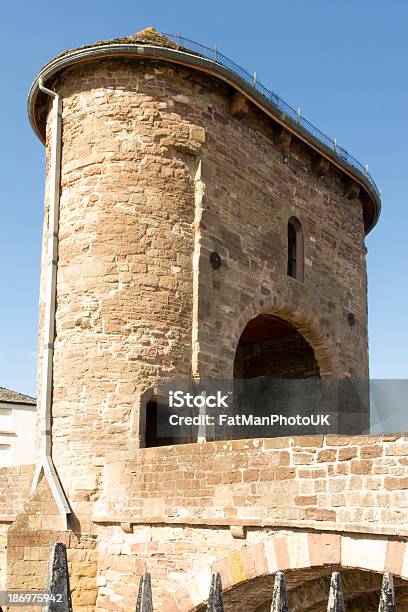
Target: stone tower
<point>194,228</point>
<point>163,167</point>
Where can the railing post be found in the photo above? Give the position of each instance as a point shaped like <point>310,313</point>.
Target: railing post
<point>280,595</point>
<point>336,600</point>
<point>58,581</point>
<point>387,597</point>
<point>215,53</point>
<point>254,79</point>
<point>298,115</point>
<point>144,598</point>
<point>215,601</point>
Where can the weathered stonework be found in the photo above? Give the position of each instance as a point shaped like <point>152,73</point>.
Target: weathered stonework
<point>307,504</point>
<point>329,483</point>
<point>162,166</point>
<point>135,136</point>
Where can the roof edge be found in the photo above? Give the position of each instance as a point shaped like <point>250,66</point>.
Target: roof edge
<point>201,63</point>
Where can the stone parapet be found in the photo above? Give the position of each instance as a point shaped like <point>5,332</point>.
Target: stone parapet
<point>333,483</point>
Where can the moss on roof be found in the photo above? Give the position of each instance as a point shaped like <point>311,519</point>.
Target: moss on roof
<point>148,36</point>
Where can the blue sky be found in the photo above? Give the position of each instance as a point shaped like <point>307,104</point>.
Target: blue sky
<point>343,62</point>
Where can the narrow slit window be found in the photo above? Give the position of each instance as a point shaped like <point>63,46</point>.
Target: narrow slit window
<point>295,264</point>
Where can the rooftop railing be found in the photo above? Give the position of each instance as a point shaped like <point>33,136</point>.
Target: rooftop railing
<point>284,108</point>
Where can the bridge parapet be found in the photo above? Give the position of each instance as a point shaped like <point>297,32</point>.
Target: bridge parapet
<point>340,483</point>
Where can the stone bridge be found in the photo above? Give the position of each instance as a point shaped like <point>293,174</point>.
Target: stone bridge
<point>246,509</point>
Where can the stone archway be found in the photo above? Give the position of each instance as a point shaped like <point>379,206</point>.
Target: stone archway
<point>276,372</point>
<point>270,346</point>
<point>307,559</point>
<point>361,591</point>
<point>301,319</point>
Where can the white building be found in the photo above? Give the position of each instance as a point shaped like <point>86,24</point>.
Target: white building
<point>17,428</point>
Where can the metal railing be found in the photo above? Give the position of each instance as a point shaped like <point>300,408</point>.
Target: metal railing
<point>284,108</point>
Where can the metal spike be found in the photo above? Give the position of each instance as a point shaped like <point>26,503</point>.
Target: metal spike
<point>387,597</point>
<point>215,601</point>
<point>144,598</point>
<point>58,581</point>
<point>336,601</point>
<point>280,595</point>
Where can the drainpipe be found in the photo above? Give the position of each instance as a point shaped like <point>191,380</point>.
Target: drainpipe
<point>45,462</point>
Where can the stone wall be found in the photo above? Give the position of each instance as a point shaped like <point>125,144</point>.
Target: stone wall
<point>15,483</point>
<point>331,483</point>
<point>236,507</point>
<point>125,262</point>
<point>156,175</point>
<point>3,553</point>
<point>30,538</point>
<point>179,511</point>
<point>247,567</point>
<point>251,188</point>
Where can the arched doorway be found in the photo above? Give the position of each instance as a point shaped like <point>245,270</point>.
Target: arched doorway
<point>276,372</point>
<point>271,347</point>
<point>308,591</point>
<point>276,381</point>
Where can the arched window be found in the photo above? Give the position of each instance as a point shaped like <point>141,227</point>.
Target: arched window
<point>295,249</point>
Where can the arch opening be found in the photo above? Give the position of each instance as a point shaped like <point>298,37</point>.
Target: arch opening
<point>271,347</point>
<point>277,384</point>
<point>276,373</point>
<point>308,591</point>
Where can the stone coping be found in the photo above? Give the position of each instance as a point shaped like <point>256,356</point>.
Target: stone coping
<point>331,526</point>
<point>285,442</point>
